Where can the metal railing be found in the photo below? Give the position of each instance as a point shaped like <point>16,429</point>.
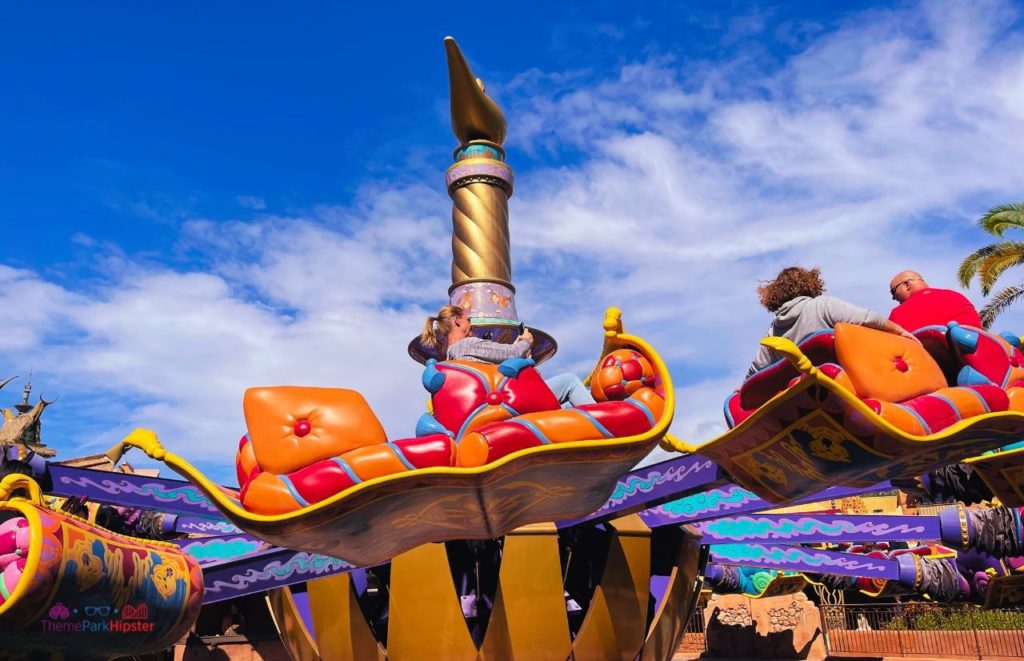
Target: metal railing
<point>694,640</point>
<point>922,629</point>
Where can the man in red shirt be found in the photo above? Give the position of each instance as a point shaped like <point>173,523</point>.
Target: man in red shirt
<point>920,305</point>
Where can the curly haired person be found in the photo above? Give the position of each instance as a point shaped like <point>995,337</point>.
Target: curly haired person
<point>797,299</point>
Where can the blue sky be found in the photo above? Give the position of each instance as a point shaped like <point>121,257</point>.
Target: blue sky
<point>197,199</point>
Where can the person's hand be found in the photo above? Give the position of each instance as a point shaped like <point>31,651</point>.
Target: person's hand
<point>526,335</point>
<point>910,336</point>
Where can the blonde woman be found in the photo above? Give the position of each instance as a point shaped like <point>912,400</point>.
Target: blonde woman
<point>448,333</point>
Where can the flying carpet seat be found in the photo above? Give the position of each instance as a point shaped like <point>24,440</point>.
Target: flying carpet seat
<point>897,378</point>
<point>634,415</point>
<point>492,411</point>
<point>412,491</point>
<point>307,444</point>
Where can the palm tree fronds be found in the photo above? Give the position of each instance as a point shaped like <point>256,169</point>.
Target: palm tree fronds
<point>1003,217</point>
<point>999,303</point>
<point>1004,255</point>
<point>969,267</point>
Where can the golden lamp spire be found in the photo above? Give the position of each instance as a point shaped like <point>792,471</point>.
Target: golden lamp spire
<point>475,116</point>
<point>480,183</point>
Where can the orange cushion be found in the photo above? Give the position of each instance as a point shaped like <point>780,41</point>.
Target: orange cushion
<point>293,426</point>
<point>1016,396</point>
<point>886,366</point>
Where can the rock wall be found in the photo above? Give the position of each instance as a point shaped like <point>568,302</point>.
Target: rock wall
<point>784,627</point>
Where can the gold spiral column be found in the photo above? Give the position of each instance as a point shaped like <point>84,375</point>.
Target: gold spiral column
<point>480,183</point>
<point>480,243</point>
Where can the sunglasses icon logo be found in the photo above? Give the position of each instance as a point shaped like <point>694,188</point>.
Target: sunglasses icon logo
<point>93,611</point>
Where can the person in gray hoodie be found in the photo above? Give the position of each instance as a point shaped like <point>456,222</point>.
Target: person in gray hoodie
<point>796,296</point>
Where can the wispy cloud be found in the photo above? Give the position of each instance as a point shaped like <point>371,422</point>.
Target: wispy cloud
<point>677,185</point>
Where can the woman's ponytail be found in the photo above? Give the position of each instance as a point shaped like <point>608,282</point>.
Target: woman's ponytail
<point>428,337</point>
<point>436,329</point>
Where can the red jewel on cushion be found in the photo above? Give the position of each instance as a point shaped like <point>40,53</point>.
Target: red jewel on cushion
<point>494,398</point>
<point>900,364</point>
<point>302,427</point>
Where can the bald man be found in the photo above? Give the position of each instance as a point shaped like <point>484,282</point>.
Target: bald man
<point>921,305</point>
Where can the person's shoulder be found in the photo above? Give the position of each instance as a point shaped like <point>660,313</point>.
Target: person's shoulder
<point>825,300</point>
<point>949,293</point>
<point>935,296</point>
<point>462,346</point>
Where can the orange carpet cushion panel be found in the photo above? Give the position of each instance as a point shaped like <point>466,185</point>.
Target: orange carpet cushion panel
<point>1016,396</point>
<point>612,419</point>
<point>620,374</point>
<point>291,426</point>
<point>307,444</point>
<point>270,493</point>
<point>884,366</point>
<point>931,413</point>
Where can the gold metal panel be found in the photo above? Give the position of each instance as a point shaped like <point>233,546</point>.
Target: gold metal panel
<point>596,637</point>
<point>1005,591</point>
<point>341,629</point>
<point>425,618</point>
<point>529,619</point>
<point>1003,472</point>
<point>676,605</point>
<point>294,635</point>
<point>781,586</point>
<point>615,625</point>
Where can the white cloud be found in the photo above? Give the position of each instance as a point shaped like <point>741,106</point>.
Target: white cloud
<point>870,151</point>
<point>251,202</point>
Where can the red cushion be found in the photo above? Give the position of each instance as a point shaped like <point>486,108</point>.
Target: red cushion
<point>320,480</point>
<point>614,420</point>
<point>766,383</point>
<point>734,411</point>
<point>931,413</point>
<point>620,418</point>
<point>325,478</point>
<point>937,413</point>
<point>473,390</point>
<point>987,354</point>
<point>427,451</point>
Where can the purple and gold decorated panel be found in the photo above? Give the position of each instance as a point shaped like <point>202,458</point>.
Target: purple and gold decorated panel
<point>646,487</point>
<point>821,528</point>
<point>730,500</point>
<point>802,559</point>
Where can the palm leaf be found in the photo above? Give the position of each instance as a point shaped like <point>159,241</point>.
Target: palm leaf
<point>1003,217</point>
<point>998,304</point>
<point>1004,255</point>
<point>969,267</point>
